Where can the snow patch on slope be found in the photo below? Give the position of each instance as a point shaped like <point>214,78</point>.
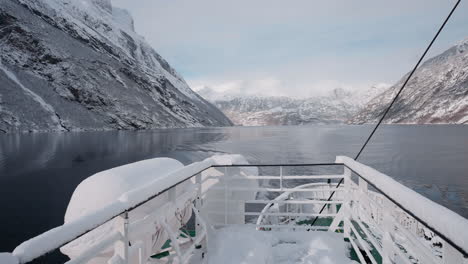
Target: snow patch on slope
<point>123,17</point>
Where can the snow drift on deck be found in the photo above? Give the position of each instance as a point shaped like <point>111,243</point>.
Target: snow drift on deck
<point>234,245</point>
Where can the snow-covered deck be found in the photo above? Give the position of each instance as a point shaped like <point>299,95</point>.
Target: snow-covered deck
<point>234,245</point>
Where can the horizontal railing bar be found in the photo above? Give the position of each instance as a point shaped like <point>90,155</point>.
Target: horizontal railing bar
<point>280,201</point>
<point>279,165</point>
<point>292,201</point>
<point>96,249</point>
<point>291,177</point>
<point>314,228</point>
<point>269,214</point>
<point>277,189</point>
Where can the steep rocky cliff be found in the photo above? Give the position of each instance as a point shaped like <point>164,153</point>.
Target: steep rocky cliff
<point>79,65</point>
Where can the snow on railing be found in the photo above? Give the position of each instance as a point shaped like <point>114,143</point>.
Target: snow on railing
<point>384,221</point>
<point>60,236</point>
<point>397,222</point>
<point>232,198</point>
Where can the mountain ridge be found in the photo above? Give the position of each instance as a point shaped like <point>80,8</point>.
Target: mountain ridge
<point>254,110</point>
<point>84,59</point>
<point>436,94</point>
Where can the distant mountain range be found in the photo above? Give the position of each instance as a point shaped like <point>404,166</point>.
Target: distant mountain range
<point>437,93</point>
<point>79,65</point>
<point>336,107</point>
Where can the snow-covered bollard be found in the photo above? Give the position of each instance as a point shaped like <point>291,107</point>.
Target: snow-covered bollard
<point>8,258</point>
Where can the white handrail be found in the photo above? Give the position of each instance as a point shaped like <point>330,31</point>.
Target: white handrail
<point>448,223</point>
<point>59,236</point>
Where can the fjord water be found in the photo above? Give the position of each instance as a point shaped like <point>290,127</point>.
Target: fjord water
<point>38,172</point>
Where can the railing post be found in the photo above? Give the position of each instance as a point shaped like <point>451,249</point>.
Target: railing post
<point>121,246</point>
<point>346,206</point>
<point>198,206</point>
<point>388,253</point>
<point>362,185</point>
<point>225,197</point>
<point>281,178</point>
<point>364,205</point>
<point>281,189</point>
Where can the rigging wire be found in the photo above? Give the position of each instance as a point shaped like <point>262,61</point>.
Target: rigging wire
<point>394,100</point>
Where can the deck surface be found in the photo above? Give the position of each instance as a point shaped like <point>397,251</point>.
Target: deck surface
<point>246,245</point>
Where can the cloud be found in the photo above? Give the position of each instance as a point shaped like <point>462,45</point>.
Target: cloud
<point>273,87</point>
<point>266,87</point>
<point>299,47</point>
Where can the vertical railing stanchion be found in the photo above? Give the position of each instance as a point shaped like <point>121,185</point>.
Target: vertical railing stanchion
<point>346,206</point>
<point>121,246</point>
<point>225,197</point>
<point>281,178</point>
<point>387,240</point>
<point>140,256</point>
<point>362,208</point>
<point>281,188</point>
<point>198,206</point>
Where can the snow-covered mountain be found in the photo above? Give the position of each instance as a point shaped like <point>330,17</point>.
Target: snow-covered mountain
<point>437,93</point>
<point>79,65</point>
<point>336,107</point>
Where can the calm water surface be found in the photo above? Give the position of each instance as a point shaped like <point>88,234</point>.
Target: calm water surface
<point>38,172</point>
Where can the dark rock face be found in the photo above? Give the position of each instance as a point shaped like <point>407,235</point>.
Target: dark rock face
<point>68,67</point>
<point>437,93</point>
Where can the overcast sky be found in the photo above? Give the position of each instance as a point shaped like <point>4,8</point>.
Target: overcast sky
<point>295,47</point>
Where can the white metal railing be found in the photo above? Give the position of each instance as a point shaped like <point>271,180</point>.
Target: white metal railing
<point>127,238</point>
<point>399,224</point>
<point>380,226</point>
<point>377,226</point>
<point>131,248</point>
